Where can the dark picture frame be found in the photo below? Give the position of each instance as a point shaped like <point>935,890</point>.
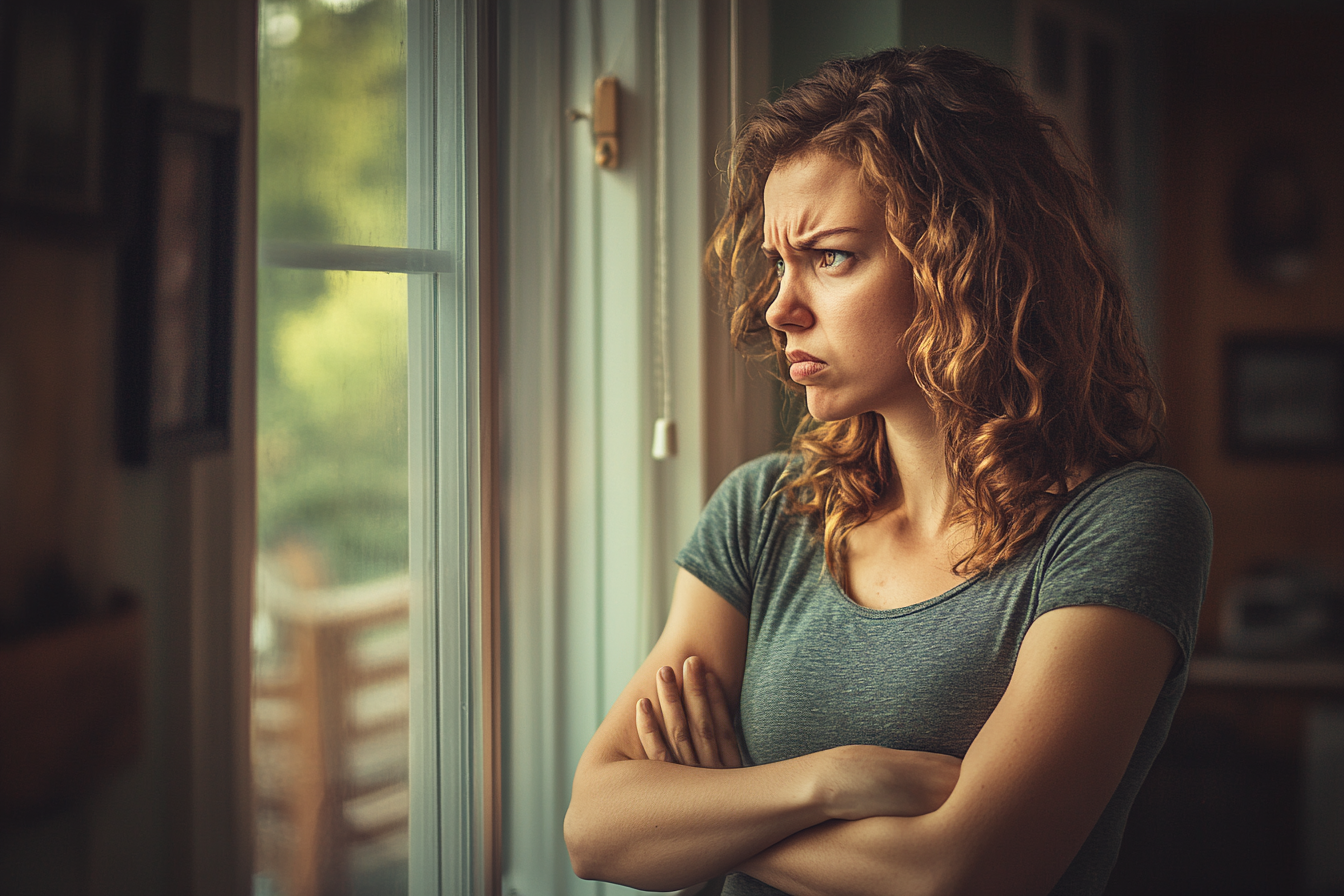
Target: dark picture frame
<point>1275,217</point>
<point>67,88</point>
<point>175,339</point>
<point>1283,396</point>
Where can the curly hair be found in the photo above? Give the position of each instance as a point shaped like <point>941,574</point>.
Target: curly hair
<point>1022,338</point>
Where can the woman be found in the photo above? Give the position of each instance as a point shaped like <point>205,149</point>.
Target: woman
<point>954,620</point>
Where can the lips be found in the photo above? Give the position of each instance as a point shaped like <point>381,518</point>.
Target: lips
<point>802,365</point>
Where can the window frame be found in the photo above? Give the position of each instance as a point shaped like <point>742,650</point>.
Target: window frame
<point>453,735</point>
<point>453,743</point>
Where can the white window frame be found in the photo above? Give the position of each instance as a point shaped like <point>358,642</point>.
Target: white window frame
<point>453,660</point>
<point>452,739</point>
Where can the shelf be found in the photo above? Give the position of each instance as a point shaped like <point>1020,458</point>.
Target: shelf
<point>1246,672</point>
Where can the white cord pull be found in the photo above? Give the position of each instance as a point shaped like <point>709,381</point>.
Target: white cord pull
<point>664,438</point>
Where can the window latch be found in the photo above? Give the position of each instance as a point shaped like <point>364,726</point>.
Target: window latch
<point>606,122</point>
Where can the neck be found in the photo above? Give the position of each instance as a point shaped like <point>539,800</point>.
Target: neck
<point>916,446</point>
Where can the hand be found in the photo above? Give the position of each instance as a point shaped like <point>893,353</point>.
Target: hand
<point>695,717</point>
<point>861,781</point>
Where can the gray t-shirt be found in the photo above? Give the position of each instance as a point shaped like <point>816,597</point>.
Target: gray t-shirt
<point>822,671</point>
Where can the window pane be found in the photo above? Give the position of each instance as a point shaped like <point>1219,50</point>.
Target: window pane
<point>332,121</point>
<point>331,646</point>
<point>330,638</point>
<point>331,427</point>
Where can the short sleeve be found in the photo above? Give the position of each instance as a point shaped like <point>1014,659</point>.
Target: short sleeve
<point>725,547</point>
<point>1139,539</point>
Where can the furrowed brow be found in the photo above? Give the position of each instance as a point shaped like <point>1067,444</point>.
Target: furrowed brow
<point>811,241</point>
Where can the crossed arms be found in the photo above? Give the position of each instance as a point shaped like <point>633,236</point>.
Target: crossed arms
<point>1008,819</point>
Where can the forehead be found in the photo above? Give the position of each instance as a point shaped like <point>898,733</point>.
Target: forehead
<point>818,192</point>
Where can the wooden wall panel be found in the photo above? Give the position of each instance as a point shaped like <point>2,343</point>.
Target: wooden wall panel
<point>1237,84</point>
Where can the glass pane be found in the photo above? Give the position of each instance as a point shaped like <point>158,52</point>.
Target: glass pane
<point>332,121</point>
<point>330,636</point>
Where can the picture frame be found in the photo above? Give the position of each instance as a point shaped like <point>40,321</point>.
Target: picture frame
<point>175,335</point>
<point>1284,396</point>
<point>1275,216</point>
<point>67,88</point>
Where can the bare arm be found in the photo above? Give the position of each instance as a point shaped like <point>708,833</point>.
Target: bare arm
<point>661,825</point>
<point>1032,785</point>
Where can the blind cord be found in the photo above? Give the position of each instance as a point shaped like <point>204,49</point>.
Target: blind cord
<point>664,428</point>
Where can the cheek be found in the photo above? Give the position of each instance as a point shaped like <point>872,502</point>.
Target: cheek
<point>880,328</point>
<point>879,334</point>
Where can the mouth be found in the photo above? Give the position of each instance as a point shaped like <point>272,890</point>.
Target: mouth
<point>802,365</point>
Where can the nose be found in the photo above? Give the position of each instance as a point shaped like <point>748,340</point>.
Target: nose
<point>789,310</point>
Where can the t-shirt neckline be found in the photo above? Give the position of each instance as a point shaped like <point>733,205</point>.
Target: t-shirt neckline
<point>1078,491</point>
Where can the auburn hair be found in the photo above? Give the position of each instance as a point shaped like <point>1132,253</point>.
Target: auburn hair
<point>1022,337</point>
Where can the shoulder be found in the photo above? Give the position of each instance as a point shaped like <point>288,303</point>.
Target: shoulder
<point>752,486</point>
<point>1143,499</point>
<point>1139,537</point>
<point>765,470</point>
<point>725,550</point>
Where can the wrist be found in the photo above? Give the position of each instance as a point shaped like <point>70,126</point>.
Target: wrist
<point>825,794</point>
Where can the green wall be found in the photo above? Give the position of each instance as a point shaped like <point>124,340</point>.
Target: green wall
<point>981,26</point>
<point>804,33</point>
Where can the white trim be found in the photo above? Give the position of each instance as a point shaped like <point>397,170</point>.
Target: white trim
<point>340,257</point>
<point>450,721</point>
<point>425,822</point>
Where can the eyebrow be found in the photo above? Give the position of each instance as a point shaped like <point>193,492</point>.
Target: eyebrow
<point>813,240</point>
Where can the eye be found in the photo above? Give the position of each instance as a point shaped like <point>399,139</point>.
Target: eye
<point>833,258</point>
<point>779,267</point>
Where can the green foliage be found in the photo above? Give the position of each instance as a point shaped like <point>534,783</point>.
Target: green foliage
<point>331,428</point>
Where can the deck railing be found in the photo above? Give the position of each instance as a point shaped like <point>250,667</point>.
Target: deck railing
<point>330,733</point>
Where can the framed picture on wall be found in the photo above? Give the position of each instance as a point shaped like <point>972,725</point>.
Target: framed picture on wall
<point>177,303</point>
<point>1283,396</point>
<point>67,71</point>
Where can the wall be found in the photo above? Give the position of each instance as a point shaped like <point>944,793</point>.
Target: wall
<point>804,35</point>
<point>1239,82</point>
<point>1221,110</point>
<point>178,536</point>
<point>981,26</point>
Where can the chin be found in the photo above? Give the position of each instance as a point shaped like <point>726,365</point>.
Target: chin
<point>827,411</point>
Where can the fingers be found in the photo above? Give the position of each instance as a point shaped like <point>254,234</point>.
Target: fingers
<point>674,718</point>
<point>650,734</point>
<point>723,723</point>
<point>699,712</point>
<point>696,726</point>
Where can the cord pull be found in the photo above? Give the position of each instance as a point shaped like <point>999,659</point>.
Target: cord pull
<point>664,438</point>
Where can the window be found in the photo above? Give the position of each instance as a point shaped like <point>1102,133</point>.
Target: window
<point>588,520</point>
<point>368,704</point>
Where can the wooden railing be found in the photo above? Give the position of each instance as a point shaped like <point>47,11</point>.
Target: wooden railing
<point>329,733</point>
